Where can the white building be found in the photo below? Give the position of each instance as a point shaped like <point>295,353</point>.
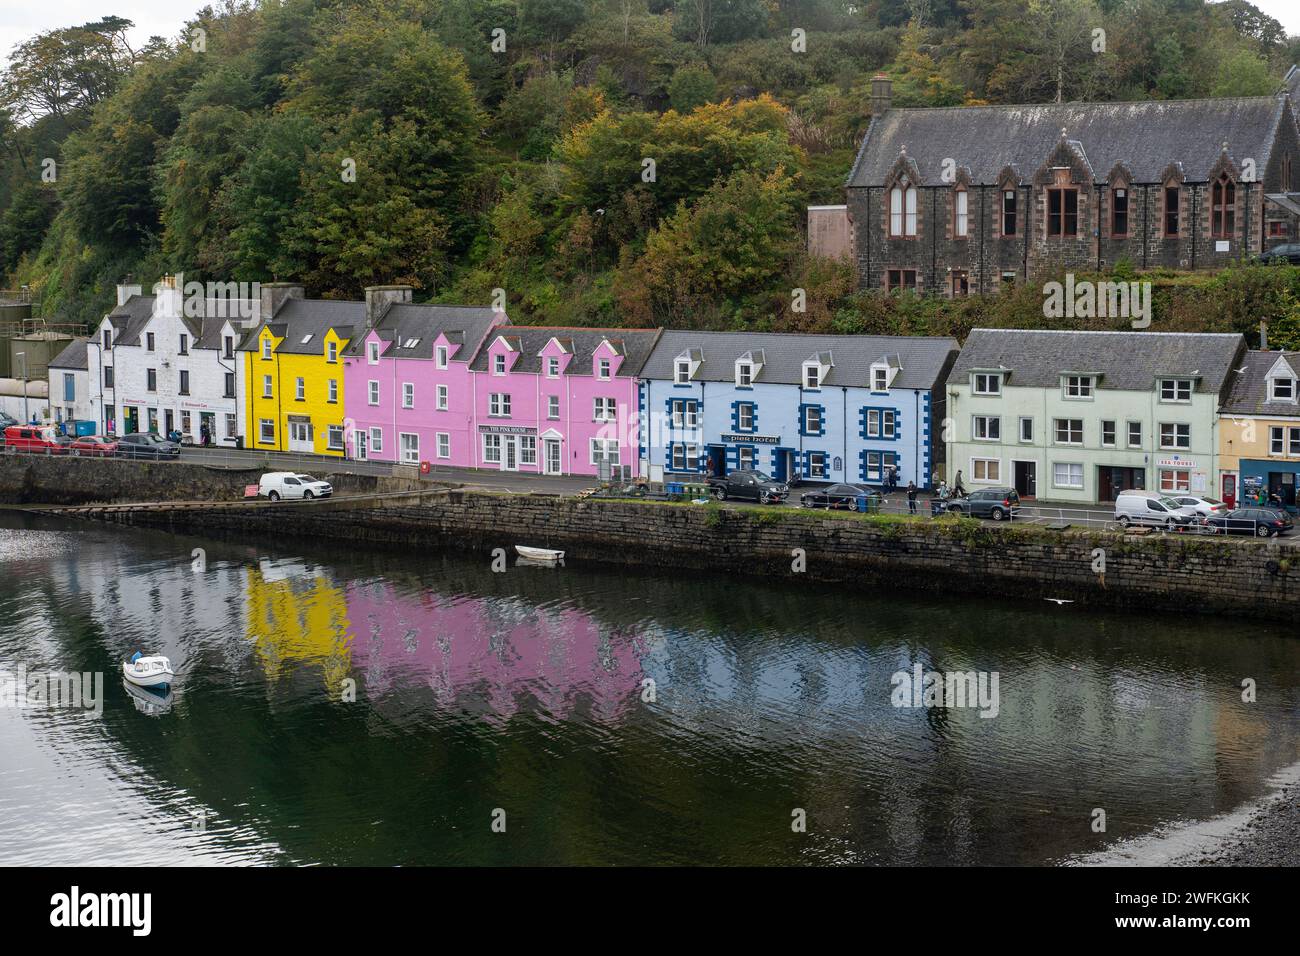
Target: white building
<point>153,367</point>
<point>69,385</point>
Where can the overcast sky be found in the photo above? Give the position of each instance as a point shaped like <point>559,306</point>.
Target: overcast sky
<point>22,18</point>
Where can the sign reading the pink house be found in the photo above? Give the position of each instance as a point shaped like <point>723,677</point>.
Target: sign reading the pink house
<point>559,401</point>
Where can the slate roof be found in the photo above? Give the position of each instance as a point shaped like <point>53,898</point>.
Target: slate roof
<point>634,344</point>
<point>1146,137</point>
<point>297,318</point>
<point>1036,358</point>
<point>73,357</point>
<point>1250,395</point>
<point>129,318</point>
<point>402,321</point>
<point>922,359</point>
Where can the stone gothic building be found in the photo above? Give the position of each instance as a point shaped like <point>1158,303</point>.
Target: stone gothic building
<point>953,201</point>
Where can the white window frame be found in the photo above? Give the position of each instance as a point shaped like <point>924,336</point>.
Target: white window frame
<point>975,469</point>
<point>1068,422</point>
<point>444,444</point>
<point>745,416</point>
<point>408,394</point>
<point>812,376</point>
<point>499,405</point>
<point>1290,383</point>
<point>817,464</point>
<point>492,449</point>
<point>372,353</point>
<point>991,382</point>
<point>376,439</point>
<point>268,387</point>
<point>1175,386</point>
<point>985,433</point>
<point>266,431</point>
<point>266,349</point>
<point>499,363</point>
<point>1070,467</point>
<point>332,391</point>
<point>604,369</point>
<point>1077,388</point>
<point>605,443</point>
<point>331,353</point>
<point>1114,433</point>
<point>1128,433</point>
<point>334,437</point>
<point>552,407</point>
<point>1182,436</point>
<point>441,356</point>
<point>682,372</point>
<point>442,398</point>
<point>1026,420</point>
<point>372,391</point>
<point>552,366</point>
<point>1170,483</point>
<point>408,456</point>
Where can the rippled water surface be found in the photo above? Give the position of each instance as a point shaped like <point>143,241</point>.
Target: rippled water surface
<point>525,692</point>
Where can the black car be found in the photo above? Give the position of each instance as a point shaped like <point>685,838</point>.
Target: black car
<point>749,485</point>
<point>1285,253</point>
<point>1260,522</point>
<point>996,503</point>
<point>146,445</point>
<point>835,496</point>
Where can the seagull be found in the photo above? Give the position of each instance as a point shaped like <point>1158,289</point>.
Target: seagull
<point>1058,600</point>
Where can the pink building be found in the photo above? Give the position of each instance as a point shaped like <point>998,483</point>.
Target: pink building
<point>558,401</point>
<point>407,384</point>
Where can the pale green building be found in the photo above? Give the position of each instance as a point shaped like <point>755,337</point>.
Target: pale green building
<point>1078,417</point>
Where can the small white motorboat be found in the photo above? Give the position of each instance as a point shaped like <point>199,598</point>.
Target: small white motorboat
<point>148,671</point>
<point>539,554</point>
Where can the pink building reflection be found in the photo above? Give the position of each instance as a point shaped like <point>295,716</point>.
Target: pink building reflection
<point>492,652</point>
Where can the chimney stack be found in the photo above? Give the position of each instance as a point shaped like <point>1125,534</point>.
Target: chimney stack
<point>126,289</point>
<point>882,93</point>
<point>1263,335</point>
<point>275,294</point>
<point>378,298</point>
<point>168,297</point>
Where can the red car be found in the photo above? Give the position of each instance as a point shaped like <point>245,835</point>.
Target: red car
<point>92,446</point>
<point>36,440</point>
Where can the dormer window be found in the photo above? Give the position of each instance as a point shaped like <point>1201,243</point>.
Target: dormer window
<point>372,353</point>
<point>331,351</point>
<point>682,374</point>
<point>1175,390</point>
<point>498,365</point>
<point>987,383</point>
<point>812,376</point>
<point>108,339</point>
<point>441,354</point>
<point>744,374</point>
<point>879,379</point>
<point>1078,386</point>
<point>1282,390</point>
<point>603,367</point>
<point>552,367</point>
<point>266,347</point>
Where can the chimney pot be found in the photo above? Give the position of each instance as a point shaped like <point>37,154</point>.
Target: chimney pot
<point>1263,335</point>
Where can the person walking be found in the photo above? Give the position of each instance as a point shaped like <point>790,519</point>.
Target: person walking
<point>958,489</point>
<point>911,497</point>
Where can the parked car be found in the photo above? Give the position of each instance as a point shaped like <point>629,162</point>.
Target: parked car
<point>852,497</point>
<point>6,420</point>
<point>751,485</point>
<point>146,445</point>
<point>1260,522</point>
<point>286,484</point>
<point>36,439</point>
<point>996,503</point>
<point>1205,507</point>
<point>93,446</point>
<point>1154,510</point>
<point>1280,255</point>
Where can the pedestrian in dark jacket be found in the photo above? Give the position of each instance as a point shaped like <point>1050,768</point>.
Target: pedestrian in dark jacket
<point>911,497</point>
<point>958,489</point>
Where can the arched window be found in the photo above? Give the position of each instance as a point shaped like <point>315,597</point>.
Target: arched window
<point>1223,207</point>
<point>902,210</point>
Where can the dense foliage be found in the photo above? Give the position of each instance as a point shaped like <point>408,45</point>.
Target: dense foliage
<point>602,161</point>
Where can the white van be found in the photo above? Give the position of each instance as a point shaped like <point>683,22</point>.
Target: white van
<point>1152,508</point>
<point>287,484</point>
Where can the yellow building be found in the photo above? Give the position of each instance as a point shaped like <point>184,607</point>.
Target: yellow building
<point>293,376</point>
<point>1259,431</point>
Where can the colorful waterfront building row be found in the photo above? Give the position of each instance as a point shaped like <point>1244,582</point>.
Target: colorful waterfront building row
<point>1058,415</point>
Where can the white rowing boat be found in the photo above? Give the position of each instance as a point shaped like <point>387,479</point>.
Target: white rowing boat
<point>148,671</point>
<point>539,554</point>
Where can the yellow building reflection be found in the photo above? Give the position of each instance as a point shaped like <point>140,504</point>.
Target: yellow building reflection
<point>297,616</point>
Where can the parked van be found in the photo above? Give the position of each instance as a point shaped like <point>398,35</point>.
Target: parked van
<point>36,439</point>
<point>1153,509</point>
<point>286,484</point>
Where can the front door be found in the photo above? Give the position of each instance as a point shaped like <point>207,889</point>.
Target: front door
<point>1026,478</point>
<point>130,420</point>
<point>300,436</point>
<point>717,460</point>
<point>170,422</point>
<point>511,453</point>
<point>360,440</point>
<point>1229,493</point>
<point>551,450</point>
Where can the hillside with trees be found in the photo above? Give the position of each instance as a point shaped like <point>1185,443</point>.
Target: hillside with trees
<point>633,162</point>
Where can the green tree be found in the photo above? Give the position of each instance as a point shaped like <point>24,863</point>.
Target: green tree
<point>692,85</point>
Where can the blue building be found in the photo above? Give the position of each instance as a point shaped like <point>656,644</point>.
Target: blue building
<point>818,408</point>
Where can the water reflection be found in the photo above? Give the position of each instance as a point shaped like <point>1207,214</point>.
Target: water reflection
<point>622,718</point>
